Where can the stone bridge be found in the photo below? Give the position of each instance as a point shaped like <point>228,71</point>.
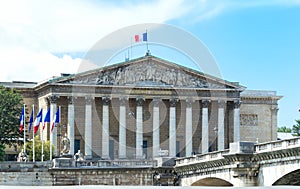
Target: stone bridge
<point>245,164</point>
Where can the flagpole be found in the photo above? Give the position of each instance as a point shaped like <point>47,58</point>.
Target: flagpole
<point>42,158</point>
<point>130,49</point>
<point>33,150</point>
<point>147,42</point>
<point>59,107</point>
<point>24,137</point>
<point>51,134</point>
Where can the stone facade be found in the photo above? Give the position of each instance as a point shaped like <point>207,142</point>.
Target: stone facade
<point>133,109</point>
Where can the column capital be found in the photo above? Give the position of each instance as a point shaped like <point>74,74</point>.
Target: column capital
<point>106,100</point>
<point>70,99</point>
<point>189,102</point>
<point>88,100</point>
<point>274,110</point>
<point>140,101</point>
<point>123,100</point>
<point>221,103</point>
<point>53,99</point>
<point>236,104</point>
<point>156,101</point>
<point>173,102</point>
<point>205,103</point>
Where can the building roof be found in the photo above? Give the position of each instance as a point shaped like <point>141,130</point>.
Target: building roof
<point>283,136</point>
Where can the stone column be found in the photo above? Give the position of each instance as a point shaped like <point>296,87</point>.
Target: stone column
<point>274,111</point>
<point>188,128</point>
<point>53,134</point>
<point>156,132</point>
<point>105,127</point>
<point>221,126</point>
<point>122,128</point>
<point>236,121</point>
<point>172,128</point>
<point>205,130</point>
<point>71,124</point>
<point>139,129</point>
<point>88,128</point>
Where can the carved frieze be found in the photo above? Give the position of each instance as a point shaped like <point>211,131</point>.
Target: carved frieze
<point>145,74</point>
<point>249,119</point>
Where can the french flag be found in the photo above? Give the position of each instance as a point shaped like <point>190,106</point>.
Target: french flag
<point>140,38</point>
<point>30,120</point>
<point>37,121</point>
<point>22,120</point>
<point>46,118</point>
<point>55,119</point>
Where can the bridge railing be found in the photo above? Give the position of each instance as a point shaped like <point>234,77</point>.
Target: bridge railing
<point>201,158</point>
<point>116,163</point>
<point>277,145</point>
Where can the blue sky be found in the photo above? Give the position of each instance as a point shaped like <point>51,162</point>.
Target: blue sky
<point>256,43</point>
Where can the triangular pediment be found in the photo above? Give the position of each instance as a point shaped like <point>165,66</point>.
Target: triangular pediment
<point>148,71</point>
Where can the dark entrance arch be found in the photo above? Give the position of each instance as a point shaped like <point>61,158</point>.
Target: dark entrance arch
<point>291,178</point>
<point>211,182</point>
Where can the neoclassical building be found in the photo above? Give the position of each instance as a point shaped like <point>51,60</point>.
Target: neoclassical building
<point>149,107</point>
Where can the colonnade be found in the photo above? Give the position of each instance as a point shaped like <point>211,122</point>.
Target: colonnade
<point>139,126</point>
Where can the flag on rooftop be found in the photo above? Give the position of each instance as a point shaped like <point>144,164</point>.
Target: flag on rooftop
<point>140,38</point>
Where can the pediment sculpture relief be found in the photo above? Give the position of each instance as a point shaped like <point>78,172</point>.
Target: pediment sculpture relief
<point>146,74</point>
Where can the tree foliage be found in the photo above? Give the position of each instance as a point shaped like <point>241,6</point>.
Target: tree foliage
<point>2,152</point>
<point>10,110</point>
<point>38,149</point>
<point>296,128</point>
<point>284,129</point>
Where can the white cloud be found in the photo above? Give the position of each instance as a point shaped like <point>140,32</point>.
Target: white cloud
<point>31,31</point>
<point>75,25</point>
<point>19,64</point>
<point>207,9</point>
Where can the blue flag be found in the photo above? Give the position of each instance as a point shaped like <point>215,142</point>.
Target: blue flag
<point>30,121</point>
<point>145,37</point>
<point>47,118</point>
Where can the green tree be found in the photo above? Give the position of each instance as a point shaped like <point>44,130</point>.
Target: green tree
<point>10,109</point>
<point>38,149</point>
<point>284,129</point>
<point>2,152</point>
<point>296,128</point>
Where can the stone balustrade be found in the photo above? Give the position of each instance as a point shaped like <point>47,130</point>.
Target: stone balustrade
<point>116,163</point>
<point>277,145</point>
<point>201,158</point>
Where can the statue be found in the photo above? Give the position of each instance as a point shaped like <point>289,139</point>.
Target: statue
<point>66,145</point>
<point>22,157</point>
<point>78,156</point>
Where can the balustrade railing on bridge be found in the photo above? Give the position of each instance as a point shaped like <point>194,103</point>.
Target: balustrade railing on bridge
<point>201,158</point>
<point>277,145</point>
<point>116,163</point>
<point>258,148</point>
